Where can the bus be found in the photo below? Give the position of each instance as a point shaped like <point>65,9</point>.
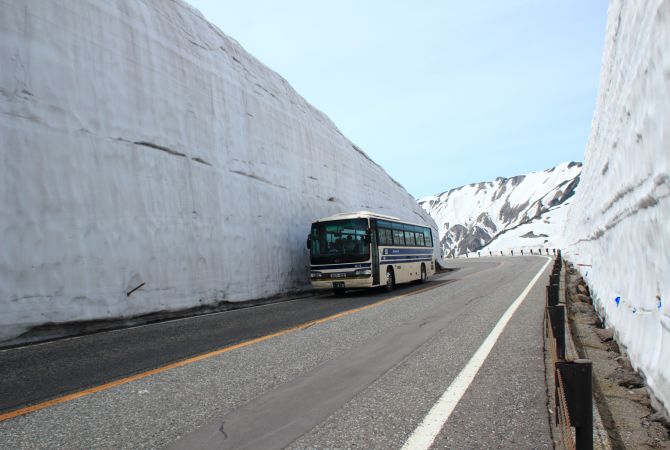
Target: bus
<point>363,249</point>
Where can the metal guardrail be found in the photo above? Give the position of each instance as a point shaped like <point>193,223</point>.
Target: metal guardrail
<point>573,389</point>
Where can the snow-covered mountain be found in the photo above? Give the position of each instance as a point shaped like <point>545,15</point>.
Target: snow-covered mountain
<point>519,213</point>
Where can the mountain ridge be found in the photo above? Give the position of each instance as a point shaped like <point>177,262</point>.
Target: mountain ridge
<point>511,212</point>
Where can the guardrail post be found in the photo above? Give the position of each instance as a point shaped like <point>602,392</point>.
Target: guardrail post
<point>557,323</point>
<point>552,295</point>
<point>576,377</point>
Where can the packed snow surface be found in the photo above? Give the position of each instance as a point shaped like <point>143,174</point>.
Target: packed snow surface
<point>149,163</point>
<point>525,212</point>
<point>617,231</point>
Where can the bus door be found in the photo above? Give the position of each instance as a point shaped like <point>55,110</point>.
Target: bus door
<point>374,252</point>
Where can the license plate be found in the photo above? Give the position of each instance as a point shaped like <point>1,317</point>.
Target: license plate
<point>338,284</point>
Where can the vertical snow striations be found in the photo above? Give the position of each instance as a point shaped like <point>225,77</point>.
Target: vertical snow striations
<point>617,228</point>
<point>149,163</point>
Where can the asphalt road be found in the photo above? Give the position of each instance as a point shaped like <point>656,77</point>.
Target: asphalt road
<point>364,379</point>
<point>36,373</point>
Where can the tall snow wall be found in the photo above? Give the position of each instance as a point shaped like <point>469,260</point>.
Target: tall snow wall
<point>617,230</point>
<point>141,146</point>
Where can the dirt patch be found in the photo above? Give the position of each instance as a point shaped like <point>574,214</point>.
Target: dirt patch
<point>622,398</point>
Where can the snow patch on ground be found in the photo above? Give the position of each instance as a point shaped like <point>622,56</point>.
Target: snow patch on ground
<point>617,231</point>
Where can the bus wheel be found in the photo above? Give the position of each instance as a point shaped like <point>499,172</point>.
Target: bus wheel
<point>424,276</point>
<point>339,292</point>
<point>390,280</point>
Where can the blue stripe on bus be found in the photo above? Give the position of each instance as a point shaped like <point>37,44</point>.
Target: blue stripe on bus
<point>395,261</point>
<point>407,251</point>
<point>393,258</point>
<point>342,266</point>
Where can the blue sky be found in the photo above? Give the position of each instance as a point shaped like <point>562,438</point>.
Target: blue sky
<point>439,93</point>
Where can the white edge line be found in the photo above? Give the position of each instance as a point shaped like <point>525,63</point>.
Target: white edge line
<point>424,435</point>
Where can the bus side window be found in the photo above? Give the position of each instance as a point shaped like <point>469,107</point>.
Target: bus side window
<point>427,237</point>
<point>419,239</point>
<point>384,238</point>
<point>398,237</point>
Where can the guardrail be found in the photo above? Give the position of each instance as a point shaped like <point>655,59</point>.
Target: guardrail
<point>572,379</point>
<point>510,251</point>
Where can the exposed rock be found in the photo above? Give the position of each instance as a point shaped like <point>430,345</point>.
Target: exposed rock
<point>661,417</point>
<point>582,298</point>
<point>640,395</point>
<point>624,362</point>
<point>605,335</point>
<point>583,308</point>
<point>626,377</point>
<point>532,234</point>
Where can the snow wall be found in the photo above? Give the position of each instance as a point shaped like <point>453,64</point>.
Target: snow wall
<point>140,146</point>
<point>617,231</point>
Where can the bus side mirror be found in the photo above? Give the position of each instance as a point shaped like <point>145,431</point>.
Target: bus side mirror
<point>309,242</point>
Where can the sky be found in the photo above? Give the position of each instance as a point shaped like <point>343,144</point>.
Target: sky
<point>439,93</point>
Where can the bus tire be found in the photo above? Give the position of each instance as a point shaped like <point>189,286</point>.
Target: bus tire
<point>424,274</point>
<point>390,280</point>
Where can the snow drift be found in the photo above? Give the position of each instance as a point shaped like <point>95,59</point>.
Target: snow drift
<point>509,214</point>
<point>617,231</point>
<point>149,163</point>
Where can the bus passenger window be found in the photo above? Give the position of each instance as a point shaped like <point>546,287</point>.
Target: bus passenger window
<point>409,238</point>
<point>384,237</point>
<point>398,237</point>
<point>427,237</point>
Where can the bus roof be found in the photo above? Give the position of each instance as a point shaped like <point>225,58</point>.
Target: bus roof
<point>365,215</point>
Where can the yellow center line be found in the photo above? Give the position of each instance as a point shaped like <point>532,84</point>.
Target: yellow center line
<point>184,362</point>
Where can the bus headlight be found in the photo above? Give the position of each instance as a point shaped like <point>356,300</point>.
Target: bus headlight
<point>316,275</point>
<point>362,272</point>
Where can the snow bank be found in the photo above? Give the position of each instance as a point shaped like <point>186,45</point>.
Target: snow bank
<point>617,230</point>
<point>140,146</point>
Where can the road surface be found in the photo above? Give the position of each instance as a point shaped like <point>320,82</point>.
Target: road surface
<point>365,370</point>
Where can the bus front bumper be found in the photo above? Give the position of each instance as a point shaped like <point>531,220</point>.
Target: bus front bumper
<point>349,283</point>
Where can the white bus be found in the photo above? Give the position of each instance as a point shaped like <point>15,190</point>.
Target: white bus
<point>363,249</point>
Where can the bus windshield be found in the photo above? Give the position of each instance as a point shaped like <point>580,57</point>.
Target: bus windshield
<point>339,241</point>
